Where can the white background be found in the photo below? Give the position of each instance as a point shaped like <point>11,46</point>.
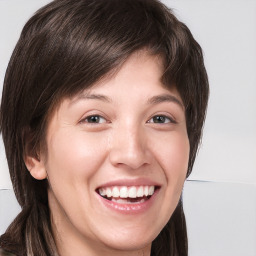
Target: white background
<point>226,31</point>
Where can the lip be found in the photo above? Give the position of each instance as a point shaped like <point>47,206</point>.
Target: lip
<point>136,208</point>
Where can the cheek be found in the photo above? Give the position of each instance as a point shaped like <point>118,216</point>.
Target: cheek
<point>177,162</point>
<point>179,152</point>
<point>74,156</point>
<point>172,153</point>
<point>173,157</point>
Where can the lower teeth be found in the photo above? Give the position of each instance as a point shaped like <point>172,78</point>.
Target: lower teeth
<point>128,200</point>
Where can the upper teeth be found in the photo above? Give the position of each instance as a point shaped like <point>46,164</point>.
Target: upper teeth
<point>125,192</point>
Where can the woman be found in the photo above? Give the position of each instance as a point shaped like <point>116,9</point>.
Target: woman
<point>102,112</point>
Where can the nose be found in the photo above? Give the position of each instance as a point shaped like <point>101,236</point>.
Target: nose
<point>129,147</point>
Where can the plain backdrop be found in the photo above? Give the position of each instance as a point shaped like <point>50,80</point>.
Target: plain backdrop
<point>226,31</point>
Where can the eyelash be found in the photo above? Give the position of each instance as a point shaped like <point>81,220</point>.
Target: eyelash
<point>157,119</point>
<point>162,118</point>
<point>96,117</point>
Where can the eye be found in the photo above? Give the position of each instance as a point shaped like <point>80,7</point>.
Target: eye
<point>94,119</point>
<point>161,119</point>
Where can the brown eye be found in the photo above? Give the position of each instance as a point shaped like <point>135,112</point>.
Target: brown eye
<point>95,119</point>
<point>161,119</point>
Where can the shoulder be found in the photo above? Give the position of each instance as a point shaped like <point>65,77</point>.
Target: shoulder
<point>5,253</point>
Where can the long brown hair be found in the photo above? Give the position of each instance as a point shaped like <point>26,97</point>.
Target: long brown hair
<point>64,48</point>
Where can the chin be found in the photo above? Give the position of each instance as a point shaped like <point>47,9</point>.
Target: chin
<point>129,241</point>
<point>127,244</point>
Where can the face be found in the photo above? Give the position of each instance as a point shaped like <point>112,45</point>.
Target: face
<point>116,161</point>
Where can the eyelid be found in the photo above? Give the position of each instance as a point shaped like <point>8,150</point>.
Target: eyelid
<point>172,119</point>
<point>83,120</point>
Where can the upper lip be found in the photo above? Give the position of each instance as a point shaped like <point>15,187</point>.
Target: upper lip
<point>130,182</point>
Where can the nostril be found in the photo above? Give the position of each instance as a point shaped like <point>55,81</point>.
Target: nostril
<point>129,149</point>
<point>132,161</point>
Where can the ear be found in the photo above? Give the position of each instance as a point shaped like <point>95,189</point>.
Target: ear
<point>36,167</point>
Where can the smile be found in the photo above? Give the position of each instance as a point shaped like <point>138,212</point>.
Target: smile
<point>127,195</point>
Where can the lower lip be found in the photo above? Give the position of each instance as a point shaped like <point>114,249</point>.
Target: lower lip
<point>133,208</point>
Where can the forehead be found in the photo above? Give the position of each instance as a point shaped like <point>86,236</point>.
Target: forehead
<point>140,70</point>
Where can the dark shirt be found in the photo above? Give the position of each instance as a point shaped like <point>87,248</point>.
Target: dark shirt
<point>5,253</point>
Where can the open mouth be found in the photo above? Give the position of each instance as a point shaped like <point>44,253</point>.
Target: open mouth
<point>127,195</point>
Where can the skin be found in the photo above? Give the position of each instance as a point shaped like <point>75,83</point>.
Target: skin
<point>127,143</point>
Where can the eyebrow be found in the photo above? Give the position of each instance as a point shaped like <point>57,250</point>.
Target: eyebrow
<point>91,97</point>
<point>165,98</point>
<point>152,101</point>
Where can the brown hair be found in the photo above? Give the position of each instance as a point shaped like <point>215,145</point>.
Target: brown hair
<point>66,47</point>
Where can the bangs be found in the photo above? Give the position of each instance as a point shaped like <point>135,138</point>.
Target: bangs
<point>90,41</point>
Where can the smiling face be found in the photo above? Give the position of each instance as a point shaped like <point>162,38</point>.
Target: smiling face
<point>117,157</point>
